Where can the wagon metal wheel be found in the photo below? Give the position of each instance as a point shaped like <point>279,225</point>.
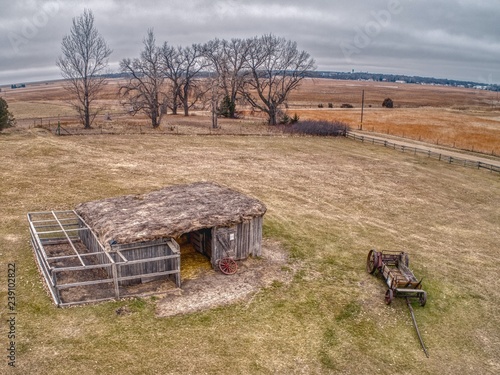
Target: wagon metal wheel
<point>422,298</point>
<point>389,296</point>
<point>228,266</point>
<point>371,262</point>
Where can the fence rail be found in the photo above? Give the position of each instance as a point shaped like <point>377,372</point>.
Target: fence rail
<point>57,129</point>
<point>426,152</point>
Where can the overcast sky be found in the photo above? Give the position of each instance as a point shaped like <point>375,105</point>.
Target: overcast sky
<point>456,39</point>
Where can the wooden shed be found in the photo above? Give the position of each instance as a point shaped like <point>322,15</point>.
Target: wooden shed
<point>131,239</point>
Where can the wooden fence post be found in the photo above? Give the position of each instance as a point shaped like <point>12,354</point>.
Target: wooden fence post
<point>115,280</point>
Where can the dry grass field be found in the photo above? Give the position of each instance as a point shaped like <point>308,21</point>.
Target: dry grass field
<point>455,117</point>
<point>330,200</point>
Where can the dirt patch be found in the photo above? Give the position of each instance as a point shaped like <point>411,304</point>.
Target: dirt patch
<point>212,289</point>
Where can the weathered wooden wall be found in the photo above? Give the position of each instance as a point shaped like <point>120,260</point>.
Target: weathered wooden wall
<point>249,238</point>
<point>202,241</point>
<point>92,244</point>
<point>240,241</point>
<point>147,258</point>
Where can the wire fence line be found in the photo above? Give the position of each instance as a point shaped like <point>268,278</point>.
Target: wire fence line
<point>54,126</point>
<point>425,152</point>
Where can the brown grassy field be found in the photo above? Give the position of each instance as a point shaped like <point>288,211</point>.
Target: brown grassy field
<point>329,201</point>
<point>455,117</point>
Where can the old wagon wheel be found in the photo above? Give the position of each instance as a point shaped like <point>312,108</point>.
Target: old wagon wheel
<point>371,261</point>
<point>228,266</point>
<point>389,296</point>
<point>422,298</point>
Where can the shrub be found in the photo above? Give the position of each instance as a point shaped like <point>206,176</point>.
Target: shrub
<point>227,107</point>
<point>319,128</point>
<point>330,105</point>
<point>388,103</point>
<point>284,119</point>
<point>346,105</point>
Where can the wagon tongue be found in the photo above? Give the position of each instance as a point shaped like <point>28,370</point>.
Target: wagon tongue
<point>416,326</point>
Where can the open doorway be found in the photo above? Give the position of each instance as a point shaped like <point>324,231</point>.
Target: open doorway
<point>196,251</point>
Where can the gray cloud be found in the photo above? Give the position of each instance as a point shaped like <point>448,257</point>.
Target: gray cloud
<point>453,39</point>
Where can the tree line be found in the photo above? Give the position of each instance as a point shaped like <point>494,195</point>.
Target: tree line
<point>259,71</point>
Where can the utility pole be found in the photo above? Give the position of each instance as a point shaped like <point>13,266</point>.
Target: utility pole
<point>362,109</point>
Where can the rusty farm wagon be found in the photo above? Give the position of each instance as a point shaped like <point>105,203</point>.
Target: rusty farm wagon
<point>393,266</point>
<point>128,245</point>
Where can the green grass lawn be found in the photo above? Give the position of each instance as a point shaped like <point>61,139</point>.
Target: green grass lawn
<point>329,201</point>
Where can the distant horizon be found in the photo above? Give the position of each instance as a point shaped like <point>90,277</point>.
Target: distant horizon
<point>317,71</point>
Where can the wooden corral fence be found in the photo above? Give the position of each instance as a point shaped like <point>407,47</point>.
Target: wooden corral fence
<point>49,123</point>
<point>69,125</point>
<point>425,152</point>
<point>167,130</point>
<point>77,269</point>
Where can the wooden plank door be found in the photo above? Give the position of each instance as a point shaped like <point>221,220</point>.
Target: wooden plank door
<point>225,242</point>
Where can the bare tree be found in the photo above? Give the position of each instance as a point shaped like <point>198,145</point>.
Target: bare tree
<point>84,57</point>
<point>192,89</point>
<point>276,68</point>
<point>144,90</point>
<point>173,71</point>
<point>228,59</point>
<point>215,92</point>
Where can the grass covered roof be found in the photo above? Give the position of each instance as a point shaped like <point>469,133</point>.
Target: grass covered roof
<point>168,212</point>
